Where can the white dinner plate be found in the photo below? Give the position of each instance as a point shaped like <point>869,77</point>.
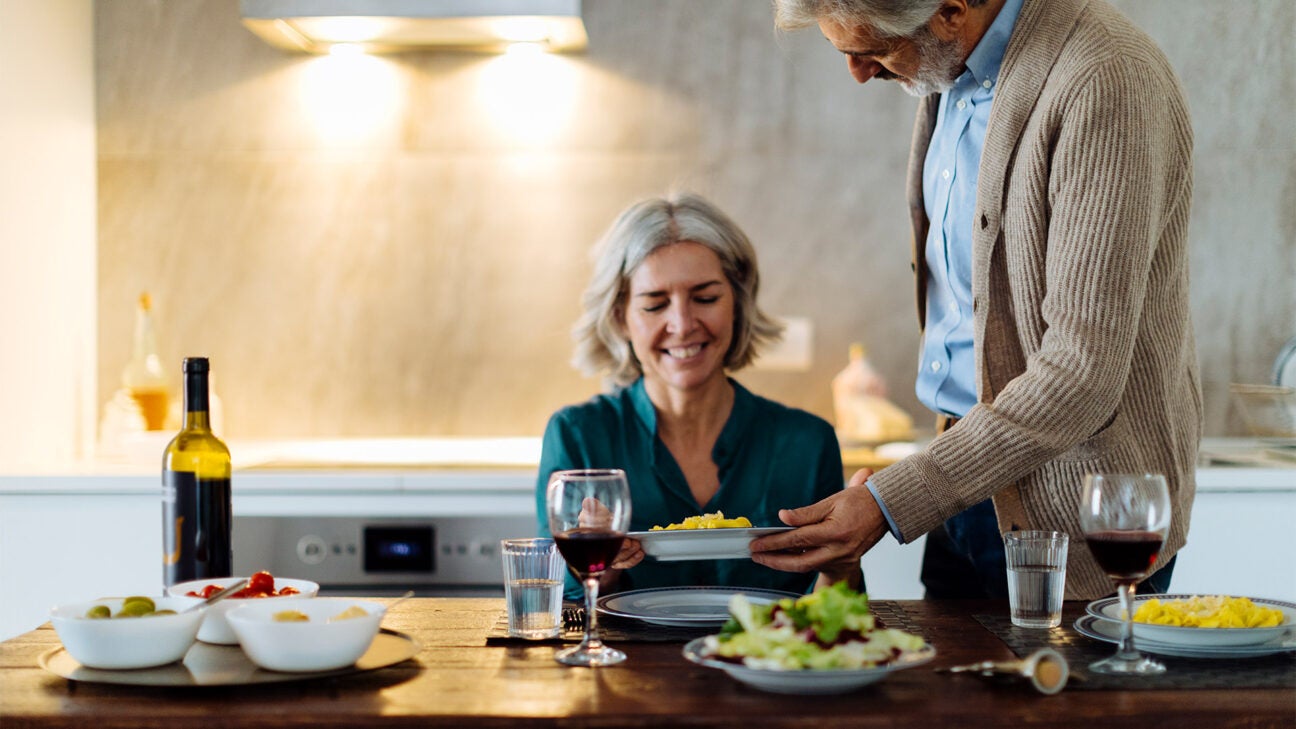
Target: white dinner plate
<point>684,606</point>
<point>807,682</point>
<point>1108,631</point>
<point>671,545</point>
<point>1109,609</point>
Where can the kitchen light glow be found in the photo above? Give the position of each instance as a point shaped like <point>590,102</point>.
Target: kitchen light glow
<point>348,95</point>
<point>387,26</point>
<point>356,29</point>
<point>345,49</point>
<point>521,30</point>
<point>528,94</point>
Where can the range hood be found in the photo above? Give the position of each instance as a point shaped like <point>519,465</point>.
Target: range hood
<point>384,26</point>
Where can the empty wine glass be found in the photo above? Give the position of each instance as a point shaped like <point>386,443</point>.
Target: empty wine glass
<point>589,512</point>
<point>1125,518</point>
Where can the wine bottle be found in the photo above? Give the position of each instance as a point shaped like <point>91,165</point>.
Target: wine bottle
<point>196,498</point>
<point>142,376</point>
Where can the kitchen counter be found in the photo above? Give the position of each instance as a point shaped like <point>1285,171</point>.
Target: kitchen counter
<point>459,680</point>
<point>505,463</point>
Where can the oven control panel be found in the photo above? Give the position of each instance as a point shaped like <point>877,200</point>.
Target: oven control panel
<point>367,551</point>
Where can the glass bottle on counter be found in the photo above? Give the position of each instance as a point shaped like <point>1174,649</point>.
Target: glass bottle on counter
<point>196,496</point>
<point>863,413</point>
<point>143,377</point>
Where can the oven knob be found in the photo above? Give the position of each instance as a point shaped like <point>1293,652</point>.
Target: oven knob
<point>311,549</point>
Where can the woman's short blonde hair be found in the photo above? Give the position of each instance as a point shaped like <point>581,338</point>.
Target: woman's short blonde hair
<point>602,347</point>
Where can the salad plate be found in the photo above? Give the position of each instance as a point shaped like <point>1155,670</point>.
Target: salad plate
<point>827,642</point>
<point>1109,609</point>
<point>670,545</point>
<point>683,606</point>
<point>1108,631</point>
<point>806,682</point>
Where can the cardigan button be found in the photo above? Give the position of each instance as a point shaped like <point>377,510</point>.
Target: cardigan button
<point>985,222</point>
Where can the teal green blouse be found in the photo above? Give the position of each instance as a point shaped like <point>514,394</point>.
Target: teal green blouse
<point>769,456</point>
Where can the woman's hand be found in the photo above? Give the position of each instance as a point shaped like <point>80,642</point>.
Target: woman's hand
<point>631,554</point>
<point>594,515</point>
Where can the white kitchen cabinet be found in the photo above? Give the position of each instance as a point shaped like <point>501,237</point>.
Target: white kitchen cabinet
<point>76,537</point>
<point>1242,539</point>
<point>66,538</point>
<point>65,547</point>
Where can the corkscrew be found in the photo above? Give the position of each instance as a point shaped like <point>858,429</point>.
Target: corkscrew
<point>1046,670</point>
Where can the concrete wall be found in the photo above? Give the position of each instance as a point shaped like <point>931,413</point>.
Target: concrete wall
<point>396,245</point>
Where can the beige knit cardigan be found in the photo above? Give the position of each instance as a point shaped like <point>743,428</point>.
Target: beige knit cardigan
<point>1084,347</point>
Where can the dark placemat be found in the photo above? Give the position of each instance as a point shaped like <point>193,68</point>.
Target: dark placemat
<point>1276,671</point>
<point>611,630</point>
<point>889,614</point>
<point>614,630</point>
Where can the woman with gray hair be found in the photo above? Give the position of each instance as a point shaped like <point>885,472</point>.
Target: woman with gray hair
<point>671,308</point>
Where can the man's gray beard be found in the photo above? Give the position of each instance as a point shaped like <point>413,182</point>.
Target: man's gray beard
<point>940,63</point>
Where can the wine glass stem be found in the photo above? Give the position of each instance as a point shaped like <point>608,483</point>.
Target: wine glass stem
<point>1125,591</point>
<point>591,639</point>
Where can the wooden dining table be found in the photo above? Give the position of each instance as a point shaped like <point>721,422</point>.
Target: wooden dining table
<point>462,677</point>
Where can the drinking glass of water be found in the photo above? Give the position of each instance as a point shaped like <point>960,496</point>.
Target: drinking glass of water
<point>1036,577</point>
<point>533,587</point>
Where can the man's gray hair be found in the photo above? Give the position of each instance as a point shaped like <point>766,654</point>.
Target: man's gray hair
<point>601,343</point>
<point>890,18</point>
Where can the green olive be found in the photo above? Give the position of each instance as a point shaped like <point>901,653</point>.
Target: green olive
<point>99,611</point>
<point>139,598</point>
<point>163,612</point>
<point>135,609</point>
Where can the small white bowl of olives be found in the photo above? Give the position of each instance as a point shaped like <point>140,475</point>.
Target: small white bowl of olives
<point>128,632</point>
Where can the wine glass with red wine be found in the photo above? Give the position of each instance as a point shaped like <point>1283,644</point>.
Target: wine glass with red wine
<point>589,513</point>
<point>1125,518</point>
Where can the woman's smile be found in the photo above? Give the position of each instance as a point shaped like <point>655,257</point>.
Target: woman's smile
<point>679,316</point>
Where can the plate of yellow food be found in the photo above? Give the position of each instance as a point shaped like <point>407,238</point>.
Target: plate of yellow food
<point>707,536</point>
<point>1210,621</point>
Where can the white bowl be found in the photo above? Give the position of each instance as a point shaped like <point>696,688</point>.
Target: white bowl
<point>141,642</point>
<point>317,645</point>
<point>214,628</point>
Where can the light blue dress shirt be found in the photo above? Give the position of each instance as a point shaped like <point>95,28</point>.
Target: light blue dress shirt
<point>947,364</point>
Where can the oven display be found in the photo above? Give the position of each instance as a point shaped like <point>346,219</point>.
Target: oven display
<point>399,549</point>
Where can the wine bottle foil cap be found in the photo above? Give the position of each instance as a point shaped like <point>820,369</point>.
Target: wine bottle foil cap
<point>196,364</point>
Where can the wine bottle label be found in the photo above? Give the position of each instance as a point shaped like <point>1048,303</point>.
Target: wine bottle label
<point>196,524</point>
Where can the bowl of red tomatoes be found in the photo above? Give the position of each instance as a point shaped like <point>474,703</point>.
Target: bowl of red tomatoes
<point>260,586</point>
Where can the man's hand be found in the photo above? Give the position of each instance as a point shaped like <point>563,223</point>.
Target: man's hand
<point>831,536</point>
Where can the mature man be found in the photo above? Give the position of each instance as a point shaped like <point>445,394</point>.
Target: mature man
<point>1050,178</point>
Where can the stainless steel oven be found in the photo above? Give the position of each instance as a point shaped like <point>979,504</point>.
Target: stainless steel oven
<point>381,555</point>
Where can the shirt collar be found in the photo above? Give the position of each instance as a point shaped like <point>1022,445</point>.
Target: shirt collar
<point>988,55</point>
<point>735,428</point>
